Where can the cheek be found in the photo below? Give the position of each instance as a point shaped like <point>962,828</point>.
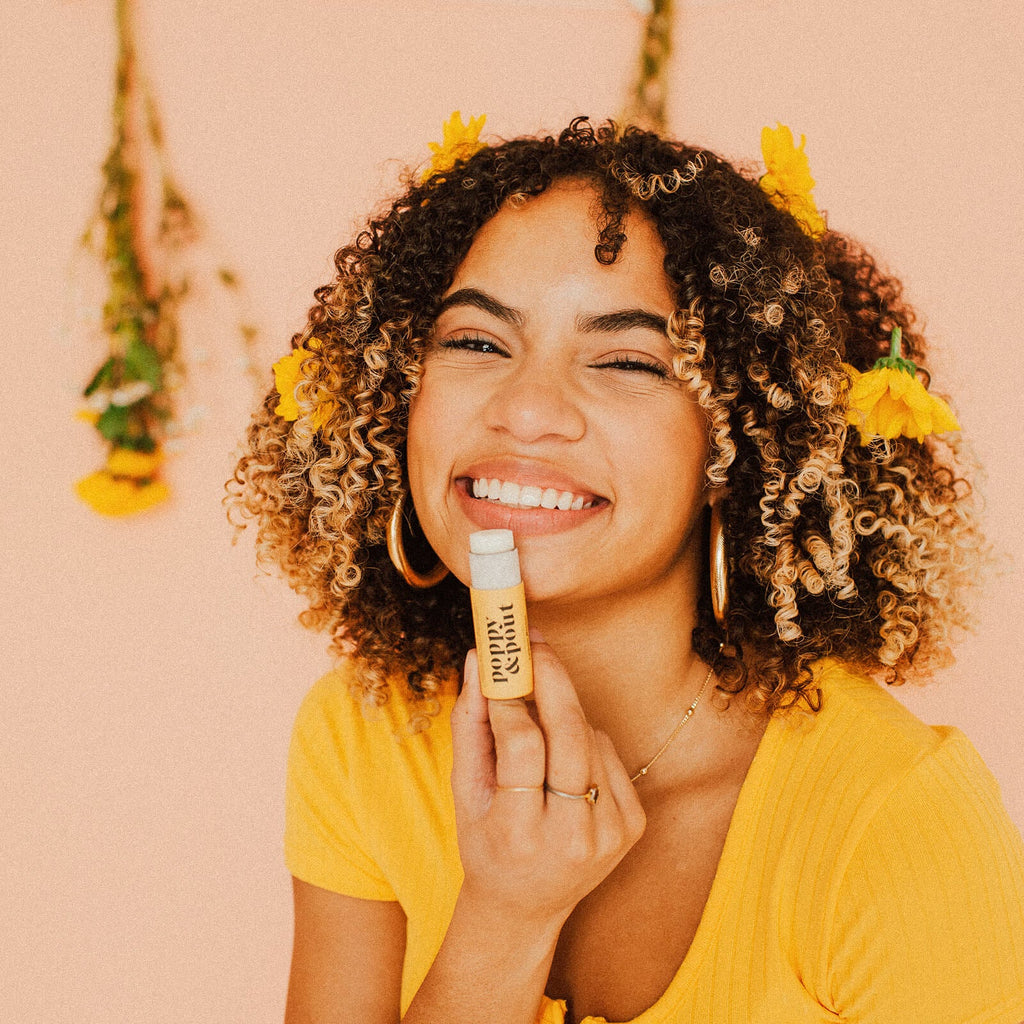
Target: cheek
<point>418,445</point>
<point>429,449</point>
<point>671,464</point>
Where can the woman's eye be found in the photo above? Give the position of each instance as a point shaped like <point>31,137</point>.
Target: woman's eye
<point>636,364</point>
<point>472,343</point>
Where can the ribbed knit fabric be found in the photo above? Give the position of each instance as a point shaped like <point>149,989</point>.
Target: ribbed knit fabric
<point>870,872</point>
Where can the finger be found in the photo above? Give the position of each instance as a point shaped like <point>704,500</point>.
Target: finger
<point>567,735</point>
<point>599,776</point>
<point>472,745</point>
<point>518,745</point>
<point>618,788</point>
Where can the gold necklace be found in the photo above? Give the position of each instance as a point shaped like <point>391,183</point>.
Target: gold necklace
<point>672,735</point>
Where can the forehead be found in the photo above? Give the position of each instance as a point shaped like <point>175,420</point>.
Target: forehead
<point>550,238</point>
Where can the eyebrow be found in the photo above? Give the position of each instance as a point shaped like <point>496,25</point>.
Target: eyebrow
<point>622,320</point>
<point>598,323</point>
<point>481,300</point>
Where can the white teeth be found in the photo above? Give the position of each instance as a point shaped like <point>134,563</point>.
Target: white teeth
<point>528,496</point>
<point>509,494</point>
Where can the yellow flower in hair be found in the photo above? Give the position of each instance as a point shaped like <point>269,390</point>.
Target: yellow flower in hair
<point>117,496</point>
<point>287,374</point>
<point>787,180</point>
<point>889,401</point>
<point>459,142</point>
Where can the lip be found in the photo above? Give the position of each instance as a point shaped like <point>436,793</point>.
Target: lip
<point>525,522</point>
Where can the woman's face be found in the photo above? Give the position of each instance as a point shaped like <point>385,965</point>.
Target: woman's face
<point>548,406</point>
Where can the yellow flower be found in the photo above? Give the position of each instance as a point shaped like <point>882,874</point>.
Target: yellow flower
<point>138,465</point>
<point>89,416</point>
<point>889,401</point>
<point>287,374</point>
<point>787,180</point>
<point>113,496</point>
<point>460,142</point>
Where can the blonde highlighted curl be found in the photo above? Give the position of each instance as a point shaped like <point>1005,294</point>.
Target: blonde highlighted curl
<point>866,554</point>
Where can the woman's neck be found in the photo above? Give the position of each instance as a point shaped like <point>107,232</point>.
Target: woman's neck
<point>631,661</point>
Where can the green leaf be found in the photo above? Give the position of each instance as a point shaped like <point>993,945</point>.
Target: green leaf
<point>142,443</point>
<point>113,424</point>
<point>896,363</point>
<point>142,363</point>
<point>104,375</point>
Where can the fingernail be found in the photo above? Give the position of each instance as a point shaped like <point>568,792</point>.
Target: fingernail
<point>507,702</point>
<point>471,669</point>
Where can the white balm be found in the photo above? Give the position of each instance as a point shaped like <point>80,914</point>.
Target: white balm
<point>499,615</point>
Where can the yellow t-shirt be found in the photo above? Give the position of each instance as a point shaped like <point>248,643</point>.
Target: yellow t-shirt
<point>870,873</point>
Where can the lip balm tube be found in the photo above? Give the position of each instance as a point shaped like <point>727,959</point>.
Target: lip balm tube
<point>499,615</point>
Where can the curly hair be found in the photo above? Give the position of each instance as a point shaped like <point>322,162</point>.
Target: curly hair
<point>861,553</point>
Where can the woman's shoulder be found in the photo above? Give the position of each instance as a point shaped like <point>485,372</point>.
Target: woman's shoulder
<point>862,720</point>
<point>346,694</point>
<point>352,721</point>
<point>864,760</point>
<point>921,856</point>
<point>362,776</point>
<point>888,834</point>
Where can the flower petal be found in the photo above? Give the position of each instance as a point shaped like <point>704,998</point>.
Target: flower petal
<point>890,402</point>
<point>868,388</point>
<point>787,180</point>
<point>942,416</point>
<point>138,465</point>
<point>287,372</point>
<point>459,142</point>
<point>119,497</point>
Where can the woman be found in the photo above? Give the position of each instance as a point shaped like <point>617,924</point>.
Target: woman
<point>645,365</point>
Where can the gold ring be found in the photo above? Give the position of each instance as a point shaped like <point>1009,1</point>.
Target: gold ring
<point>520,789</point>
<point>590,796</point>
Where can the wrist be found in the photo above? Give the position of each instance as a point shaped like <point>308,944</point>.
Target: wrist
<point>492,966</point>
<point>507,923</point>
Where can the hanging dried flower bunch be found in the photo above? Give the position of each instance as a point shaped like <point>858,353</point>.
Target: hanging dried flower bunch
<point>129,398</point>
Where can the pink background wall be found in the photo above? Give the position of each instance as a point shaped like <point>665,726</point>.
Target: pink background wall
<point>149,675</point>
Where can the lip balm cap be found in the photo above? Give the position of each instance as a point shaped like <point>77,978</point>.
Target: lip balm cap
<point>493,560</point>
<point>491,542</point>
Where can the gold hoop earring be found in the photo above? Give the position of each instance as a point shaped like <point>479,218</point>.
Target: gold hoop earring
<point>719,568</point>
<point>396,552</point>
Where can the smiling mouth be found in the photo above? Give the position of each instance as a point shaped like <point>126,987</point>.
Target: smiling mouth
<point>527,496</point>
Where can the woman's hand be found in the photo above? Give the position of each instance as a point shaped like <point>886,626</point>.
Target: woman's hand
<point>525,851</point>
<point>529,855</point>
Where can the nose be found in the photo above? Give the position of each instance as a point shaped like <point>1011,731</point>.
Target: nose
<point>534,403</point>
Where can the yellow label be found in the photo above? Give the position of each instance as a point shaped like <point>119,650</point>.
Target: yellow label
<point>502,642</point>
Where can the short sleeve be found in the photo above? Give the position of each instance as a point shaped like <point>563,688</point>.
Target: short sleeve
<point>324,842</point>
<point>929,921</point>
